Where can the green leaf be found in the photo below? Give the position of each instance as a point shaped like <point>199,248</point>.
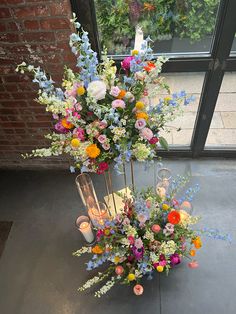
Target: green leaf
<point>163,143</point>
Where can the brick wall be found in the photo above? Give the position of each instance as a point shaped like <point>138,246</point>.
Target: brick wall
<point>36,32</point>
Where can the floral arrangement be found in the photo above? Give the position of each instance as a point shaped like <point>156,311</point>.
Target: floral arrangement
<point>103,114</point>
<point>152,233</point>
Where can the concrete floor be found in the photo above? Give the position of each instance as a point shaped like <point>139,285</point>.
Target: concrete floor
<point>38,274</point>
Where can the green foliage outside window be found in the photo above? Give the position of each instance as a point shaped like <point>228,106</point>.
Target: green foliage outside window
<point>160,19</point>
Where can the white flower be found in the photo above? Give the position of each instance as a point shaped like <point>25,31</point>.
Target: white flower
<point>97,89</point>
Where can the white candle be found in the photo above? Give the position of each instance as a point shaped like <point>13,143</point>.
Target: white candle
<point>138,38</point>
<point>85,228</point>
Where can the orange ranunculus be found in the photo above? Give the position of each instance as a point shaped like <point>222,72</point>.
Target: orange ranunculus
<point>97,249</point>
<point>174,217</point>
<point>197,242</point>
<point>121,94</point>
<point>66,124</point>
<point>192,252</point>
<point>150,66</point>
<point>141,115</point>
<point>93,151</point>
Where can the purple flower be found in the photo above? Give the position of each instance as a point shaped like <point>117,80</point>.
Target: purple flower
<point>175,259</point>
<point>60,128</point>
<point>138,252</point>
<point>140,124</point>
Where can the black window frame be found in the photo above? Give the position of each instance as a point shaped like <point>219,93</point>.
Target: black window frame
<point>214,64</point>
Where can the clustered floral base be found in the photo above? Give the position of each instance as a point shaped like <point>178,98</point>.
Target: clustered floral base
<point>152,233</point>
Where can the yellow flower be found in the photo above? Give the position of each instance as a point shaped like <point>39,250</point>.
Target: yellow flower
<point>131,277</point>
<point>134,52</point>
<point>75,143</point>
<point>165,206</point>
<point>97,249</point>
<point>80,91</point>
<point>116,259</point>
<point>139,105</point>
<point>141,115</point>
<point>167,99</point>
<point>160,268</point>
<point>93,151</point>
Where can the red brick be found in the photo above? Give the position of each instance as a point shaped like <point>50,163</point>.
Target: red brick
<point>5,13</point>
<point>9,37</point>
<point>13,124</point>
<point>21,95</point>
<point>26,86</point>
<point>20,131</point>
<point>31,11</point>
<point>7,69</point>
<point>39,36</point>
<point>61,7</point>
<point>16,78</point>
<point>8,131</point>
<point>52,58</point>
<point>13,26</point>
<point>7,111</point>
<point>3,118</point>
<point>4,95</point>
<point>69,57</point>
<point>14,103</point>
<point>39,124</point>
<point>2,27</point>
<point>58,23</point>
<point>31,24</point>
<point>2,88</point>
<point>15,1</point>
<point>24,49</point>
<point>62,35</point>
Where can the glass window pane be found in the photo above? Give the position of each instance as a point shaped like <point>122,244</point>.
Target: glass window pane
<point>175,26</point>
<point>192,83</point>
<point>222,133</point>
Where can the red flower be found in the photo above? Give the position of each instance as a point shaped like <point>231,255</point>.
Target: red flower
<point>150,66</point>
<point>174,217</point>
<point>103,166</point>
<point>154,140</point>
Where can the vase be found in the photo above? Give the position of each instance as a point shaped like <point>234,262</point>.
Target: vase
<point>86,190</point>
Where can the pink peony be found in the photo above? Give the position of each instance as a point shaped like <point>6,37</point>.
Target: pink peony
<point>140,124</point>
<point>138,243</point>
<point>118,103</point>
<point>125,64</point>
<point>102,124</point>
<point>153,140</point>
<point>114,91</point>
<point>78,107</point>
<point>102,138</point>
<point>146,133</point>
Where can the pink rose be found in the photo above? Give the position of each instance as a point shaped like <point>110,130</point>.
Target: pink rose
<point>119,270</point>
<point>146,133</point>
<point>138,289</point>
<point>102,124</point>
<point>106,146</point>
<point>126,221</point>
<point>193,264</point>
<point>102,167</point>
<point>102,138</point>
<point>114,91</point>
<point>154,140</point>
<point>125,64</point>
<point>140,124</point>
<point>156,228</point>
<point>118,103</point>
<point>142,218</point>
<point>76,115</point>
